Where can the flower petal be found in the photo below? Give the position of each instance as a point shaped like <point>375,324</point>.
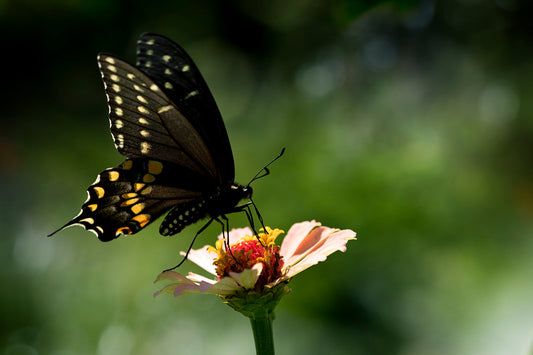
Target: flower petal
<point>225,286</point>
<point>248,277</point>
<point>315,247</point>
<point>203,258</point>
<point>295,236</point>
<point>183,284</point>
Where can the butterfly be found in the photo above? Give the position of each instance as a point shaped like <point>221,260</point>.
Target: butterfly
<point>166,123</point>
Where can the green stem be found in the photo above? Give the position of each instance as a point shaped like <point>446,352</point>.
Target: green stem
<point>262,329</point>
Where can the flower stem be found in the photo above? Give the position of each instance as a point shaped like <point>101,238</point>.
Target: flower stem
<point>262,329</point>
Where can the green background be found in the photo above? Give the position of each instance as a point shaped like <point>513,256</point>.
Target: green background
<point>409,122</point>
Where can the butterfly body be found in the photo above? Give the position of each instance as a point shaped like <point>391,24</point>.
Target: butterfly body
<point>164,120</point>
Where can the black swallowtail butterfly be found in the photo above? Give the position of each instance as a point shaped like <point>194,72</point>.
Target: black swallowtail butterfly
<point>164,120</point>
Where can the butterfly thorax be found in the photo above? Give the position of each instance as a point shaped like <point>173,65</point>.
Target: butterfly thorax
<point>222,201</point>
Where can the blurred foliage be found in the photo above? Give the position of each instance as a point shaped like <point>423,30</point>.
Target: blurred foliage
<point>407,121</point>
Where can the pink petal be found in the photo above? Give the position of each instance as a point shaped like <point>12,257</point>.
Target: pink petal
<point>295,236</point>
<point>203,258</point>
<point>316,247</point>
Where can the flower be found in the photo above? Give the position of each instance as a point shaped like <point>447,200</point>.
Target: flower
<point>255,266</point>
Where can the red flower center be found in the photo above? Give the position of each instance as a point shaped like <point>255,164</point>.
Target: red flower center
<point>245,255</point>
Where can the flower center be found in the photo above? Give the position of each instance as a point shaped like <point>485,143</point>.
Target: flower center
<point>248,252</point>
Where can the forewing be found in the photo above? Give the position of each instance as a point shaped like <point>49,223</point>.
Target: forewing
<point>171,68</point>
<point>146,124</point>
<point>125,199</point>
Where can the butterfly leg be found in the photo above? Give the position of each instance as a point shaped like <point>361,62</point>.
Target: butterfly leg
<point>192,243</point>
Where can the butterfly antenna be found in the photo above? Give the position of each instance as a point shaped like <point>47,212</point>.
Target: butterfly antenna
<point>264,171</point>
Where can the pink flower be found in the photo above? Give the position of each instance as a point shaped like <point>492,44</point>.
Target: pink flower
<point>257,264</point>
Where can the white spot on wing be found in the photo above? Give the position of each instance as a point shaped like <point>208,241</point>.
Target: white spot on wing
<point>138,88</point>
<point>154,87</point>
<point>144,133</point>
<point>145,147</point>
<point>142,99</point>
<point>165,108</point>
<point>167,58</point>
<point>143,120</point>
<point>191,94</point>
<point>118,100</point>
<point>130,76</point>
<point>115,88</point>
<point>168,71</point>
<point>119,112</point>
<point>110,60</point>
<point>142,109</point>
<point>114,78</point>
<point>119,124</point>
<point>185,68</point>
<point>112,68</point>
<point>168,85</point>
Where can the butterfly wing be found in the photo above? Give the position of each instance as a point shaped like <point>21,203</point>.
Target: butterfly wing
<point>145,123</point>
<point>170,129</point>
<point>127,198</point>
<point>171,68</point>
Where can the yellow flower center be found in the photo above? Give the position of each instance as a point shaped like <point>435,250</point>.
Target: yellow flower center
<point>249,251</point>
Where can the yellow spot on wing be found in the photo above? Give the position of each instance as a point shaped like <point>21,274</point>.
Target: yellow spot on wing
<point>114,77</point>
<point>115,87</point>
<point>118,100</point>
<point>99,191</point>
<point>129,195</point>
<point>110,60</point>
<point>144,133</point>
<point>119,124</point>
<point>145,147</point>
<point>138,88</point>
<point>137,186</point>
<point>166,58</point>
<point>113,175</point>
<point>148,178</point>
<point>165,108</point>
<point>92,207</point>
<point>119,112</point>
<point>112,68</point>
<point>155,167</point>
<point>127,165</point>
<point>88,220</point>
<point>143,219</point>
<point>146,190</point>
<point>123,230</point>
<point>154,87</point>
<point>185,68</point>
<point>142,99</point>
<point>130,76</point>
<point>168,71</point>
<point>129,202</point>
<point>143,120</point>
<point>168,85</point>
<point>142,109</point>
<point>137,208</point>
